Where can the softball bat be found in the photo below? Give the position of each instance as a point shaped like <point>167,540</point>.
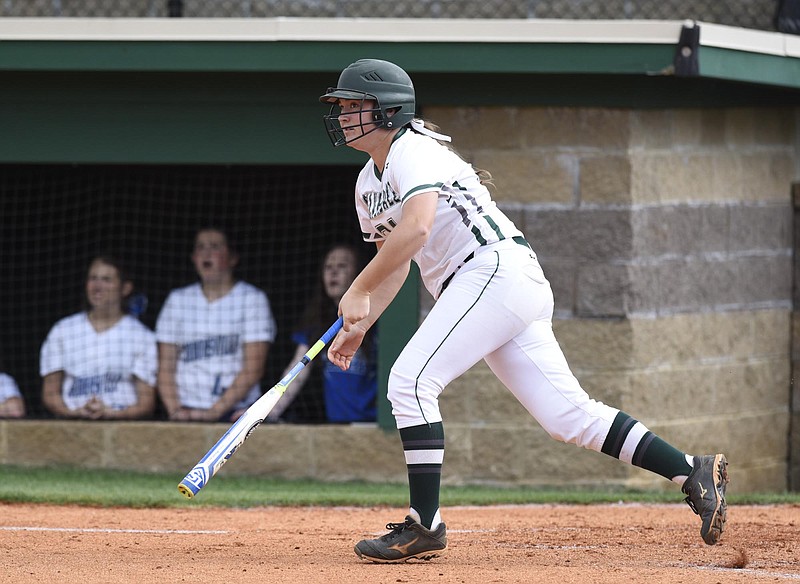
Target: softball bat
<point>240,431</point>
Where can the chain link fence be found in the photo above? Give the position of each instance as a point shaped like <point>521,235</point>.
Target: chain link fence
<point>756,14</point>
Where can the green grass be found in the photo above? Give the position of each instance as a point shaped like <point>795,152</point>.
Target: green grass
<point>108,488</point>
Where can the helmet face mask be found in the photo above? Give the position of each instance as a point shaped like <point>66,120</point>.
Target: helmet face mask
<point>336,132</point>
<point>382,82</point>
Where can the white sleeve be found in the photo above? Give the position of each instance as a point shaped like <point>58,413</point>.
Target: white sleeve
<point>166,323</point>
<point>259,322</point>
<point>145,362</point>
<point>8,388</point>
<point>52,357</point>
<point>417,167</point>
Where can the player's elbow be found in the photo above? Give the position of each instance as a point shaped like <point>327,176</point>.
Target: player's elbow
<point>421,232</point>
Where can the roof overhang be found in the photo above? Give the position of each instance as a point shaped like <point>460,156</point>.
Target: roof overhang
<point>646,47</point>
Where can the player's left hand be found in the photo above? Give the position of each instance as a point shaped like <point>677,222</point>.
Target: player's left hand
<point>344,346</point>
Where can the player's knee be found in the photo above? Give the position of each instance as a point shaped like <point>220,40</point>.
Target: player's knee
<point>561,434</point>
<point>570,434</point>
<point>400,390</point>
<point>408,393</point>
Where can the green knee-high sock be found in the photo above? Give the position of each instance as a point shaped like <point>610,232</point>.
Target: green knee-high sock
<point>629,439</point>
<point>424,451</point>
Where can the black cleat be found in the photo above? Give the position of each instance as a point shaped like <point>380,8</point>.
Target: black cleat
<point>705,490</point>
<point>406,541</point>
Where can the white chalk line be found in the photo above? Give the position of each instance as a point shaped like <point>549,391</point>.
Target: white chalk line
<point>108,530</point>
<point>752,571</point>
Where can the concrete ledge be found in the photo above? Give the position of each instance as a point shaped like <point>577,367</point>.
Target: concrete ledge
<point>491,454</point>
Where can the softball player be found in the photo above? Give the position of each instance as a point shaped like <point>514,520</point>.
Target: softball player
<point>213,338</point>
<point>100,363</point>
<point>417,199</point>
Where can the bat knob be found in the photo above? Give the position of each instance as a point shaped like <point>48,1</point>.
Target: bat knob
<point>193,482</point>
<point>185,491</point>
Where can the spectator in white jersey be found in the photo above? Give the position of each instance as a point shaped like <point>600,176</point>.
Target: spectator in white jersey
<point>11,403</point>
<point>213,337</point>
<point>100,364</point>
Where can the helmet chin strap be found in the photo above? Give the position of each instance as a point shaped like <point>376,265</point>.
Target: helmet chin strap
<point>418,126</point>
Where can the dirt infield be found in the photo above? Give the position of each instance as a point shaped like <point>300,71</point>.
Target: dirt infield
<point>540,543</point>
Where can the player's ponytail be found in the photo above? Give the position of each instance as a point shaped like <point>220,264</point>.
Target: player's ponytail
<point>430,129</point>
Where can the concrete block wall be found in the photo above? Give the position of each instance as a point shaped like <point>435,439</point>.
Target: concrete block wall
<point>668,237</point>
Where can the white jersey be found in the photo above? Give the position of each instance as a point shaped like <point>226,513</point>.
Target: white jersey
<point>466,216</point>
<point>8,388</point>
<point>103,365</point>
<point>211,337</point>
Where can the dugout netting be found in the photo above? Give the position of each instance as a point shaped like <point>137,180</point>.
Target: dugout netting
<point>55,218</point>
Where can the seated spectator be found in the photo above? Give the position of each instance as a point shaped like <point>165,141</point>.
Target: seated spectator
<point>213,337</point>
<point>11,403</point>
<point>100,364</point>
<point>348,396</point>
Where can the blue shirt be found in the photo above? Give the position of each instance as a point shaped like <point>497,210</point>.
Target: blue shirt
<point>350,395</point>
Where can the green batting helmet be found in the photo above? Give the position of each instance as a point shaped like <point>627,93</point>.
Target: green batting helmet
<point>372,79</point>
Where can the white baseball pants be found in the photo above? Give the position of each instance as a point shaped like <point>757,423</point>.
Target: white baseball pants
<point>498,307</point>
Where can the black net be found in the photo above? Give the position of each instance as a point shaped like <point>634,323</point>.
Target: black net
<point>56,218</point>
